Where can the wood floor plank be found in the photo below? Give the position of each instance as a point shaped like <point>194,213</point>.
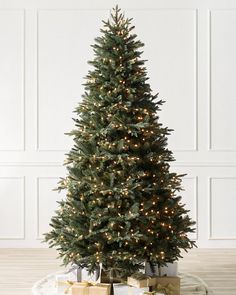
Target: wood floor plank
<point>20,268</point>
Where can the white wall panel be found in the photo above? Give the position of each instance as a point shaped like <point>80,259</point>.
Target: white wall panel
<point>189,197</point>
<point>171,50</point>
<point>46,203</point>
<point>11,80</point>
<point>64,39</point>
<point>222,75</point>
<point>222,208</point>
<point>12,209</point>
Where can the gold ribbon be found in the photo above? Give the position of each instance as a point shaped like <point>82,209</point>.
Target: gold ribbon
<point>168,290</point>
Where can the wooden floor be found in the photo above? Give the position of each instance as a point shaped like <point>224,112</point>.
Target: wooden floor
<point>20,268</point>
<point>217,267</point>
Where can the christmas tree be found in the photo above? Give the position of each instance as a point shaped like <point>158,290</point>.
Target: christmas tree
<point>122,207</point>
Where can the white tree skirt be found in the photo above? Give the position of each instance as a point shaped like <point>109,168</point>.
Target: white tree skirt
<point>190,285</point>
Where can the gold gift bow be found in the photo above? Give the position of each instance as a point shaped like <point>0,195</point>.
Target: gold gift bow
<point>168,290</point>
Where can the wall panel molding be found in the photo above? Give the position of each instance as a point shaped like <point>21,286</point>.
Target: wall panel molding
<point>224,206</point>
<point>194,210</point>
<point>31,164</point>
<point>176,20</point>
<point>21,207</point>
<point>50,201</point>
<point>212,28</point>
<point>173,164</point>
<point>44,18</point>
<point>19,16</point>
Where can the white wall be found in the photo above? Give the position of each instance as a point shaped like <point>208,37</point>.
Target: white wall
<point>44,48</point>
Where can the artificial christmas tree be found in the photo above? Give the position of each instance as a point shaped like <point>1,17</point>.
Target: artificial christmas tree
<point>122,207</point>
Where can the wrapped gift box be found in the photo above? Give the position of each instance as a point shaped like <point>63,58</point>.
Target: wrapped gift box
<point>80,274</point>
<point>122,289</point>
<point>108,277</point>
<point>62,282</point>
<point>168,285</point>
<point>141,281</point>
<point>88,277</point>
<point>170,270</point>
<point>76,273</point>
<point>85,288</point>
